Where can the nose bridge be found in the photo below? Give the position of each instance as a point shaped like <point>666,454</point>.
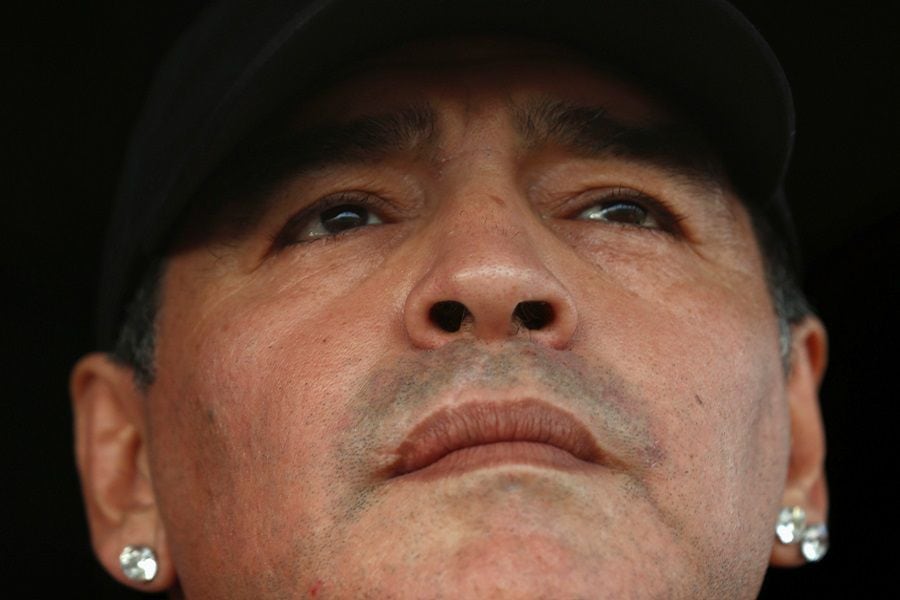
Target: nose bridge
<point>487,227</point>
<point>490,243</point>
<point>487,277</point>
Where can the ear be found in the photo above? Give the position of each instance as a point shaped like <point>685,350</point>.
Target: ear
<point>805,486</point>
<point>111,454</point>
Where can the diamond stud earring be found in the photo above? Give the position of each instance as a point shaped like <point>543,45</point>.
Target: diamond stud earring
<point>791,528</point>
<point>138,563</point>
<point>814,543</point>
<point>790,525</point>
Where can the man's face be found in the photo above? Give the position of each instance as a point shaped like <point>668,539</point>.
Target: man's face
<point>504,336</point>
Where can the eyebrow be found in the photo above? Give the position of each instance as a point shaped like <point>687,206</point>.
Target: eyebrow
<point>586,131</point>
<point>236,196</point>
<point>591,132</point>
<point>365,139</point>
<point>238,193</point>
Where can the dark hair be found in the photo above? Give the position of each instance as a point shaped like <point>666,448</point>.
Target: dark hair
<point>136,343</point>
<point>790,303</point>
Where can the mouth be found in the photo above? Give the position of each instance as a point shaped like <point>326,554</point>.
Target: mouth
<point>477,434</point>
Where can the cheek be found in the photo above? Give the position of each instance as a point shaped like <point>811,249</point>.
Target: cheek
<point>703,356</point>
<point>249,405</point>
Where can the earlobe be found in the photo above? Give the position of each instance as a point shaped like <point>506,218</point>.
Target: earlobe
<point>806,486</point>
<point>111,455</point>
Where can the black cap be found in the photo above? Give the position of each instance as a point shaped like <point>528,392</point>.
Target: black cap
<point>242,60</point>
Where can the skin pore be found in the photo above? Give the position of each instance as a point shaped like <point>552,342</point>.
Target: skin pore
<point>300,357</point>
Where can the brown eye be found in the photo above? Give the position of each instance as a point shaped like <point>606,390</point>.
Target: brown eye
<point>621,211</point>
<point>326,222</point>
<point>346,216</point>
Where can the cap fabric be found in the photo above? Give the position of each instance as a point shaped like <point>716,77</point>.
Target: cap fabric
<point>242,60</point>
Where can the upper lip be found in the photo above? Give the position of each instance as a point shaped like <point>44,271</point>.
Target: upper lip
<point>477,423</point>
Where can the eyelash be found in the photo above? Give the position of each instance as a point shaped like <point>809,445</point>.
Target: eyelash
<point>669,218</point>
<point>286,236</point>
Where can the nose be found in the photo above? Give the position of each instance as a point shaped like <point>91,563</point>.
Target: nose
<point>487,279</point>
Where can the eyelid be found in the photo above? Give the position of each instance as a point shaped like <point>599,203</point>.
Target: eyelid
<point>372,202</point>
<point>667,216</point>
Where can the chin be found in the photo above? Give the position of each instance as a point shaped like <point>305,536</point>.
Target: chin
<point>507,564</point>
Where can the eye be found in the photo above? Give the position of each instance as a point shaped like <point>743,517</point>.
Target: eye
<point>340,218</point>
<point>625,212</point>
<point>631,208</point>
<point>326,221</point>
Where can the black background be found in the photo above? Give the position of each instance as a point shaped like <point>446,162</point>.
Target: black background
<point>75,79</point>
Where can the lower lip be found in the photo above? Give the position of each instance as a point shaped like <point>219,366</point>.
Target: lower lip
<point>499,454</point>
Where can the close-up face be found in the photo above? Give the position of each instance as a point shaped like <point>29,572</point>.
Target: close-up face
<point>503,331</point>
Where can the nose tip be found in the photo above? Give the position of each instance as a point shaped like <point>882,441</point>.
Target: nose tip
<point>506,296</point>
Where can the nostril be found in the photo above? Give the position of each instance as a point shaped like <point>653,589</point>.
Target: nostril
<point>534,314</point>
<point>448,315</point>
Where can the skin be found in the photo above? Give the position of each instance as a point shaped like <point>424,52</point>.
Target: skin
<point>258,462</point>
